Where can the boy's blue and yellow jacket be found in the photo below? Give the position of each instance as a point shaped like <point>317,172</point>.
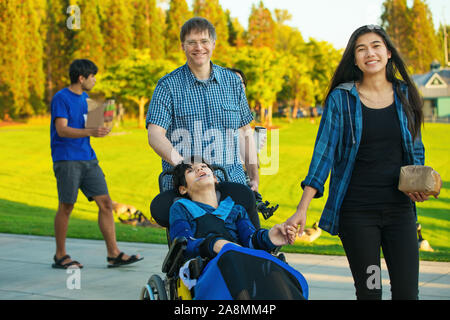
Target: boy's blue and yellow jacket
<point>337,144</point>
<point>185,213</point>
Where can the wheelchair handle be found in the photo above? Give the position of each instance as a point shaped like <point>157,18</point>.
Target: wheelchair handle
<point>215,167</point>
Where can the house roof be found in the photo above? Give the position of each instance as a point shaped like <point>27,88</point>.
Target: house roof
<point>434,84</point>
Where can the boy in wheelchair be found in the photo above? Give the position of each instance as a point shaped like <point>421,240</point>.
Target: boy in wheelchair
<point>222,233</point>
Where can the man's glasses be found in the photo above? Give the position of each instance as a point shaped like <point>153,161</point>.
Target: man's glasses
<point>202,43</point>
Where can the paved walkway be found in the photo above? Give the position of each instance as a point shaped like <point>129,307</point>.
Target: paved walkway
<point>26,273</point>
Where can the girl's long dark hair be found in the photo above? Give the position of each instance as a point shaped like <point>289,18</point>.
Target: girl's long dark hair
<point>347,71</point>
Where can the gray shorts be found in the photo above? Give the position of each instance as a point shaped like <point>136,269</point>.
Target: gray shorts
<point>74,175</point>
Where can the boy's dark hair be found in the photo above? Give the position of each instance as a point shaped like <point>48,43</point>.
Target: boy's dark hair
<point>198,24</point>
<point>244,78</point>
<point>178,177</point>
<point>81,67</point>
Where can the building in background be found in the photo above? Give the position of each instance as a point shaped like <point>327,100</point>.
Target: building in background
<point>434,87</point>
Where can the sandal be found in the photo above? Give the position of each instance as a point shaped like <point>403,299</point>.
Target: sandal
<point>58,263</point>
<point>118,261</point>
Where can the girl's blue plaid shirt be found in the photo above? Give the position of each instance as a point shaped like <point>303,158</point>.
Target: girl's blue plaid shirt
<point>337,144</point>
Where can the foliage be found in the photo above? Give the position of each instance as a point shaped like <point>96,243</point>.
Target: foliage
<point>236,32</point>
<point>34,68</point>
<point>213,12</point>
<point>424,41</point>
<point>134,78</point>
<point>21,58</point>
<point>265,70</point>
<point>177,14</point>
<point>89,39</point>
<point>59,47</point>
<point>148,27</point>
<point>118,30</point>
<point>412,32</point>
<point>261,27</point>
<point>444,33</point>
<point>36,48</point>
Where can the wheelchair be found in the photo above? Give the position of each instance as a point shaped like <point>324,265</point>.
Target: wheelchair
<point>172,287</point>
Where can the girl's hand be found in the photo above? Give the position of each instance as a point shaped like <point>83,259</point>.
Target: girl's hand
<point>297,221</point>
<point>280,234</point>
<point>417,196</point>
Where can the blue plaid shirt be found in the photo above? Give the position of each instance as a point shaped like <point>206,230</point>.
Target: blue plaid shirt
<point>337,144</point>
<point>202,117</point>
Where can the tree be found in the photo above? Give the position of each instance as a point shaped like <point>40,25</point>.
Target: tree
<point>148,28</point>
<point>323,59</point>
<point>88,40</point>
<point>298,87</point>
<point>213,12</point>
<point>424,43</point>
<point>117,29</point>
<point>396,20</point>
<point>21,59</point>
<point>59,47</point>
<point>287,38</point>
<point>412,32</point>
<point>261,27</point>
<point>177,15</point>
<point>134,78</point>
<point>265,71</point>
<point>444,44</point>
<point>12,88</point>
<point>235,31</point>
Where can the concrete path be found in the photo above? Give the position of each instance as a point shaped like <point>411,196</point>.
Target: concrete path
<point>26,273</point>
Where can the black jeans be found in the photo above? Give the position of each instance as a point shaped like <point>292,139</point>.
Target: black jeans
<point>394,230</point>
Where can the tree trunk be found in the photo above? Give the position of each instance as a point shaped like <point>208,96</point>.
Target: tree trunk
<point>262,113</point>
<point>142,102</point>
<point>294,112</point>
<point>269,116</point>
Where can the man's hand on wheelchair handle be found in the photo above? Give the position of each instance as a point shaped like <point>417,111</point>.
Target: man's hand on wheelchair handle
<point>254,184</point>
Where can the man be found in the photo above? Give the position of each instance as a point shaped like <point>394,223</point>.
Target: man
<point>76,166</point>
<point>201,108</point>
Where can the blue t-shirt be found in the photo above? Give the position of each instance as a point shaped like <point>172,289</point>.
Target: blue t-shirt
<point>73,107</point>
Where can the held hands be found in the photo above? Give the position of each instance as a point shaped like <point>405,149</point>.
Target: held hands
<point>280,234</point>
<point>298,222</point>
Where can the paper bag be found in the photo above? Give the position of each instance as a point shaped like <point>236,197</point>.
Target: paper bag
<point>109,113</point>
<point>100,114</point>
<point>419,179</point>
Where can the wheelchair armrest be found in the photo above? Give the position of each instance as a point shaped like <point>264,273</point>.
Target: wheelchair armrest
<point>175,256</point>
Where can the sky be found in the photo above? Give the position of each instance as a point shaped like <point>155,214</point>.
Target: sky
<point>330,20</point>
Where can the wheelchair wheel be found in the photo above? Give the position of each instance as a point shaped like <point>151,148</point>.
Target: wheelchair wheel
<point>155,289</point>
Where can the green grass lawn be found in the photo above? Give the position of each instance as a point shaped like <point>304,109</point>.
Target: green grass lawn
<point>28,196</point>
